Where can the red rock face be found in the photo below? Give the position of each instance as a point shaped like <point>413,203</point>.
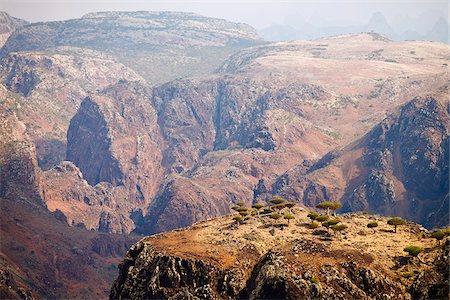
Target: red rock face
<point>41,256</point>
<point>114,140</point>
<point>19,172</point>
<point>49,89</point>
<point>399,168</point>
<point>189,149</point>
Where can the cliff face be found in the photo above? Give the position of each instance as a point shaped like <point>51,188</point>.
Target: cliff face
<point>41,256</point>
<point>48,89</point>
<point>273,108</point>
<point>121,126</point>
<point>260,259</point>
<point>20,176</point>
<point>398,168</point>
<point>114,140</point>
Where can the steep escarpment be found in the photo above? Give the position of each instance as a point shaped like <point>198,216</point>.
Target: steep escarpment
<point>40,255</point>
<point>161,46</point>
<point>20,176</point>
<point>116,147</point>
<point>114,137</point>
<point>48,88</point>
<point>398,168</point>
<point>278,107</point>
<point>266,259</point>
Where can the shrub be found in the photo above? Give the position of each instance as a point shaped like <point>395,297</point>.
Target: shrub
<point>312,216</point>
<point>322,218</point>
<point>396,222</point>
<point>313,225</point>
<point>333,222</point>
<point>372,225</point>
<point>240,204</point>
<point>439,235</point>
<point>243,213</point>
<point>275,216</point>
<point>290,205</point>
<point>339,228</point>
<point>330,223</point>
<point>235,208</point>
<point>257,206</point>
<point>413,251</point>
<point>407,275</point>
<point>238,219</point>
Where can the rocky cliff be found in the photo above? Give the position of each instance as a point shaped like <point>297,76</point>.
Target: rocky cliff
<point>40,255</point>
<point>20,176</point>
<point>264,259</point>
<point>115,143</point>
<point>399,168</point>
<point>48,89</point>
<point>272,108</point>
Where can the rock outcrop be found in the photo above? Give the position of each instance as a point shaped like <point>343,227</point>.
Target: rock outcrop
<point>48,89</point>
<point>259,259</point>
<point>115,143</point>
<point>399,168</point>
<point>258,118</point>
<point>20,176</point>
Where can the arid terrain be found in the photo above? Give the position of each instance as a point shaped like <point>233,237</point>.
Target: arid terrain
<point>266,259</point>
<point>122,124</point>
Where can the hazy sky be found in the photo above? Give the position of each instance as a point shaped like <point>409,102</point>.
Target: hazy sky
<point>256,13</point>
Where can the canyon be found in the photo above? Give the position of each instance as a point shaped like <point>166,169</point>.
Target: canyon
<point>123,124</point>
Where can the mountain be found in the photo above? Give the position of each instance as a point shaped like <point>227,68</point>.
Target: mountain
<point>53,66</point>
<point>41,255</point>
<point>399,168</point>
<point>425,26</point>
<point>267,259</point>
<point>8,25</point>
<point>378,23</point>
<point>160,46</point>
<point>48,88</point>
<point>440,31</point>
<point>137,152</point>
<point>272,108</point>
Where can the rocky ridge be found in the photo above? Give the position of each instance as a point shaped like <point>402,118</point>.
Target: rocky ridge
<point>265,109</point>
<point>399,168</point>
<point>7,26</point>
<point>263,259</point>
<point>161,46</point>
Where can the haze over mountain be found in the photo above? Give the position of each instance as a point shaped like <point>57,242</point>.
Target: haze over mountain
<point>422,27</point>
<point>118,124</point>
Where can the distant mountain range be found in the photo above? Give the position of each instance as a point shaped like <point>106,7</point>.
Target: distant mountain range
<point>421,28</point>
